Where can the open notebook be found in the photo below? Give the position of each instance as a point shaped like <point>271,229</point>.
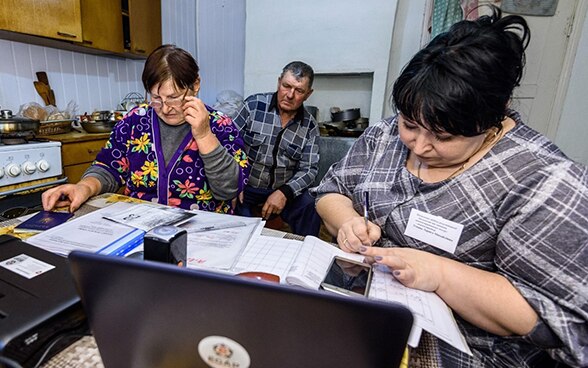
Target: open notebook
<point>150,314</point>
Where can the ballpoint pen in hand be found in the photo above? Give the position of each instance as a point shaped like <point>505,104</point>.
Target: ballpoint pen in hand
<point>366,204</point>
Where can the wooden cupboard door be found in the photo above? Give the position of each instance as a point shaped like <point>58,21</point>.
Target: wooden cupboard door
<point>75,153</point>
<point>102,25</point>
<point>145,26</point>
<point>74,172</point>
<point>47,18</point>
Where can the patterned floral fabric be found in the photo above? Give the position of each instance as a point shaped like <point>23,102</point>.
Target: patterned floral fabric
<point>133,155</point>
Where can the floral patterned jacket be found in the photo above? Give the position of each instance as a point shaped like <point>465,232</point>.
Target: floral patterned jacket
<point>133,155</point>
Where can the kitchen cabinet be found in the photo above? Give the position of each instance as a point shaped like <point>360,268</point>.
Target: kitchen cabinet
<point>54,19</point>
<point>127,28</point>
<point>78,150</point>
<point>144,26</point>
<point>102,25</point>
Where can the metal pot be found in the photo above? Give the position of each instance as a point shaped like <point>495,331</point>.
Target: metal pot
<point>345,115</point>
<point>106,115</point>
<point>17,125</point>
<point>98,126</point>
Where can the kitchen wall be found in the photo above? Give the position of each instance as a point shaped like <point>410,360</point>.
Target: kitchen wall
<point>339,39</point>
<point>101,82</point>
<point>90,81</point>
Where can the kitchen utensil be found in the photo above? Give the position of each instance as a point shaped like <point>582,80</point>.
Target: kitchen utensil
<point>345,115</point>
<point>100,126</point>
<point>51,127</point>
<point>17,126</point>
<point>52,97</point>
<point>104,115</point>
<point>43,91</point>
<point>362,123</point>
<point>42,77</point>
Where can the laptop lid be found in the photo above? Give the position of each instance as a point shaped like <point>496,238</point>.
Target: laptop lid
<point>150,314</point>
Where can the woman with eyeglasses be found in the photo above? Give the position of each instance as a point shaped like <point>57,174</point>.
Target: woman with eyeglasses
<point>174,151</point>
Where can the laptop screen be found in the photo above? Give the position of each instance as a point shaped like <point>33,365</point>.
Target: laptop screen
<point>149,314</point>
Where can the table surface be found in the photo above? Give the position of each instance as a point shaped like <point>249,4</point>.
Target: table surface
<point>84,352</point>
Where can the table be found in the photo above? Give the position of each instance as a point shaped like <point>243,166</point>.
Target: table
<point>84,352</point>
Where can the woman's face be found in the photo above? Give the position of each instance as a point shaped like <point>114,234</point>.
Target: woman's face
<point>167,101</point>
<point>437,149</point>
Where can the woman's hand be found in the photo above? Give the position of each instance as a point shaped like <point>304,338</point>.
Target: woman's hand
<point>353,234</point>
<point>196,115</point>
<point>72,195</point>
<point>413,268</point>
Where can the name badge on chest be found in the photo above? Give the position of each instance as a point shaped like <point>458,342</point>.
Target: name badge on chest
<point>433,230</point>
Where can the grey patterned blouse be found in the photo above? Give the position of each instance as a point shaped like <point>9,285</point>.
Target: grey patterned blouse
<point>524,207</point>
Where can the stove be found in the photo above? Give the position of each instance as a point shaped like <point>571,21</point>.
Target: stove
<point>26,169</point>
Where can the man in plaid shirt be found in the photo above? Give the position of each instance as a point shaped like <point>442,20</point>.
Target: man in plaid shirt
<point>281,140</point>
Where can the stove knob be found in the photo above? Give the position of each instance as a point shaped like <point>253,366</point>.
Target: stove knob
<point>29,168</point>
<point>1,172</point>
<point>13,170</point>
<point>43,165</point>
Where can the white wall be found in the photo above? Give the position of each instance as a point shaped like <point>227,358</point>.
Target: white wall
<point>178,24</point>
<point>344,36</point>
<point>572,132</point>
<point>221,46</point>
<point>92,82</point>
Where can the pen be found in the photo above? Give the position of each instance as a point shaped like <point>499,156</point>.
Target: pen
<point>216,227</point>
<point>366,207</point>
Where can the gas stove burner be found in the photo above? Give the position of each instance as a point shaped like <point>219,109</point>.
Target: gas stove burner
<point>20,137</point>
<point>14,212</point>
<point>13,140</point>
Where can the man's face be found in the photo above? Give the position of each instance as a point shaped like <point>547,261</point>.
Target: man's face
<point>292,92</point>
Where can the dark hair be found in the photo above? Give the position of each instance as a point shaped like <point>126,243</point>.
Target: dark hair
<point>461,82</point>
<point>168,62</point>
<point>299,70</point>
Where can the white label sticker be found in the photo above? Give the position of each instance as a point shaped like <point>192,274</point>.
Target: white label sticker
<point>222,352</point>
<point>26,266</point>
<point>433,230</point>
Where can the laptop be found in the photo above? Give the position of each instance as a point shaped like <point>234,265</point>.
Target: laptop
<point>151,314</point>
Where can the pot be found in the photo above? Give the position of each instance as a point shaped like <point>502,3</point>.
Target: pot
<point>18,126</point>
<point>106,115</point>
<point>98,126</point>
<point>345,115</point>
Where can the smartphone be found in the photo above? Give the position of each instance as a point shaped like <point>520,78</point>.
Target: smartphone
<point>348,277</point>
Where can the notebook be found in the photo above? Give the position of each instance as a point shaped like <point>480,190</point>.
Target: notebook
<point>151,314</point>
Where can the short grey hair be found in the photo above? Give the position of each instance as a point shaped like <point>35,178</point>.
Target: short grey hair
<point>299,70</point>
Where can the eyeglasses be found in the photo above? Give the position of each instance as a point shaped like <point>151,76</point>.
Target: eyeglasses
<point>171,102</point>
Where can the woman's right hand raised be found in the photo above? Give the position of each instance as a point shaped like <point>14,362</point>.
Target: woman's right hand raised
<point>72,195</point>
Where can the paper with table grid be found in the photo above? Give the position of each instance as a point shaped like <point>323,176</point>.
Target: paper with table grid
<point>302,263</point>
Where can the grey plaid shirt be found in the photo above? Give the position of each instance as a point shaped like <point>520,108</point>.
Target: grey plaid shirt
<point>524,208</point>
<point>278,157</point>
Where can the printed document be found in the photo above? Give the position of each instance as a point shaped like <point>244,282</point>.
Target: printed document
<point>429,310</point>
<point>217,240</point>
<point>92,233</point>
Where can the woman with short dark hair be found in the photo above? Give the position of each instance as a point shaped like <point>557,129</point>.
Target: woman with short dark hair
<point>468,202</point>
<point>175,151</point>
